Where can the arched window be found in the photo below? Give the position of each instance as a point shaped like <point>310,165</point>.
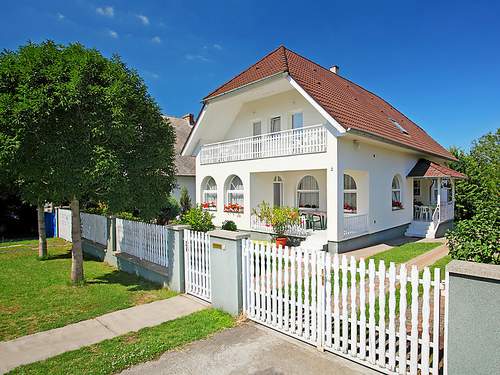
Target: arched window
<point>277,191</point>
<point>397,204</point>
<point>350,195</point>
<point>308,193</point>
<point>209,194</point>
<point>234,195</point>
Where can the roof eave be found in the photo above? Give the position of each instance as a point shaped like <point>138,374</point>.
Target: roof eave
<point>399,144</point>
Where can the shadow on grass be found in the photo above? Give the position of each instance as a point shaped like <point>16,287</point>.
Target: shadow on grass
<point>132,282</point>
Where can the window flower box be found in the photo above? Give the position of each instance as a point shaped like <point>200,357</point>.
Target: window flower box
<point>397,205</point>
<point>349,209</point>
<point>233,207</point>
<point>209,206</point>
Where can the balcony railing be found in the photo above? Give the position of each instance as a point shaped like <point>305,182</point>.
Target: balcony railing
<point>299,230</point>
<point>355,225</point>
<point>306,140</point>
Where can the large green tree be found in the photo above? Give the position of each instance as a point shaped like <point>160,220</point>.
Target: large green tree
<point>76,126</point>
<point>476,236</point>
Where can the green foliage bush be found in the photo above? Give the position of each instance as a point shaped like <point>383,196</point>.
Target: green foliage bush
<point>477,239</point>
<point>229,225</point>
<point>185,200</point>
<point>170,211</point>
<point>476,236</point>
<point>198,219</point>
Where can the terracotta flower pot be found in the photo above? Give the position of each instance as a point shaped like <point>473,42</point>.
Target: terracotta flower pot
<point>281,241</point>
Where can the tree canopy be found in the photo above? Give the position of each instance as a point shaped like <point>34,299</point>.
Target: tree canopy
<point>476,236</point>
<point>74,124</point>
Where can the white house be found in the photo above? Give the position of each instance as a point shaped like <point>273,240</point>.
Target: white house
<point>290,132</point>
<point>185,165</point>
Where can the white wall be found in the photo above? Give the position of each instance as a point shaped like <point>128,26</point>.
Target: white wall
<point>378,166</point>
<point>284,105</point>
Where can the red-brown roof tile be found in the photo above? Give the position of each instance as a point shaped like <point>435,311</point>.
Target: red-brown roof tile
<point>427,168</point>
<point>349,104</point>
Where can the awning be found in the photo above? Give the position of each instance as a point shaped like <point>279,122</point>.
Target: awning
<point>428,169</point>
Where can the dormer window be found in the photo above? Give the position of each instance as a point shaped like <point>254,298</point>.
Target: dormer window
<point>398,125</point>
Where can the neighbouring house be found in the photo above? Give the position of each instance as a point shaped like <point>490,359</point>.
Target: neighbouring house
<point>185,165</point>
<point>291,132</point>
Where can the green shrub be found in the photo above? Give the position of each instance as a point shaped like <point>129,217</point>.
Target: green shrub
<point>198,219</point>
<point>185,200</point>
<point>229,225</point>
<point>280,218</point>
<point>477,239</point>
<point>169,212</point>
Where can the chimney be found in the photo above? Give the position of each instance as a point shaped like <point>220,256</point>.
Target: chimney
<point>335,69</point>
<point>189,117</point>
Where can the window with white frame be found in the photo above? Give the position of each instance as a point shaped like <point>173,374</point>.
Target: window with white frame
<point>350,195</point>
<point>416,188</point>
<point>397,204</point>
<point>209,194</point>
<point>277,191</point>
<point>275,124</point>
<point>234,195</point>
<point>308,193</point>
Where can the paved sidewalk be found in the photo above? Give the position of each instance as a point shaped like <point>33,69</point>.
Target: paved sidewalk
<point>42,345</point>
<point>249,349</point>
<point>428,258</point>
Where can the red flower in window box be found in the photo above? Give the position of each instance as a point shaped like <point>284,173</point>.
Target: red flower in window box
<point>209,205</point>
<point>397,204</point>
<point>233,207</point>
<point>348,207</point>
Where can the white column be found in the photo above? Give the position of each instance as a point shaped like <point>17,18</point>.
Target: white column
<point>439,191</point>
<point>334,179</point>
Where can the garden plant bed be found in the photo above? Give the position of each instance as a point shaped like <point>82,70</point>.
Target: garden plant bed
<point>36,295</point>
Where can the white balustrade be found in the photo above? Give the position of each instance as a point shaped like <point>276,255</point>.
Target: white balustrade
<point>355,225</point>
<point>306,140</point>
<point>299,230</point>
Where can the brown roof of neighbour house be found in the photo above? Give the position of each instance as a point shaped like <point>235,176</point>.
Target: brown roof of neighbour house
<point>185,165</point>
<point>352,106</point>
<point>427,168</point>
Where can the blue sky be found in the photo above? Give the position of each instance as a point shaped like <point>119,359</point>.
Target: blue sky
<point>436,61</point>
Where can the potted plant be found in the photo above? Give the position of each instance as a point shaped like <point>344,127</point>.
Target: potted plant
<point>397,205</point>
<point>280,218</point>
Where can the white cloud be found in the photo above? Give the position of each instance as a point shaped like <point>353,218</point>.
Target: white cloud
<point>144,19</point>
<point>60,16</point>
<point>113,34</point>
<point>107,11</point>
<point>156,39</point>
<point>193,57</point>
<point>217,46</point>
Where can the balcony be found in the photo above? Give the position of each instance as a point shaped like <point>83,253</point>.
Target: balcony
<point>306,140</point>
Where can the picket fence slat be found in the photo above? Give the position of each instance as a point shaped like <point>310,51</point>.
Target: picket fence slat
<point>346,306</point>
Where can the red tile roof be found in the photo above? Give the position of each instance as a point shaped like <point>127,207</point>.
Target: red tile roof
<point>352,106</point>
<point>427,168</point>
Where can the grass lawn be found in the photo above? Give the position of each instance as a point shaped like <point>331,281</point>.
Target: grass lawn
<point>114,355</point>
<point>35,295</point>
<point>403,253</point>
<point>441,264</point>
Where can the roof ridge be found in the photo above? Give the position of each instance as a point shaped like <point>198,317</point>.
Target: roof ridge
<point>250,67</point>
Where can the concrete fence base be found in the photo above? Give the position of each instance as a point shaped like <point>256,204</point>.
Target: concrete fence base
<point>473,315</point>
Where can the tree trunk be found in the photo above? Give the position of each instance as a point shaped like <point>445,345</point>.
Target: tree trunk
<point>76,250</point>
<point>42,238</point>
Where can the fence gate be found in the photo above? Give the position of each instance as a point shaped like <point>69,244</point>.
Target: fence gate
<point>387,319</point>
<point>197,264</point>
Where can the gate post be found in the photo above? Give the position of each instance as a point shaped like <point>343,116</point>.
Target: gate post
<point>225,269</point>
<point>175,255</point>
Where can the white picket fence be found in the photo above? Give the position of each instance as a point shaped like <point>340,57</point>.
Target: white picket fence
<point>94,228</point>
<point>356,310</point>
<point>64,224</point>
<point>197,264</point>
<point>144,241</point>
